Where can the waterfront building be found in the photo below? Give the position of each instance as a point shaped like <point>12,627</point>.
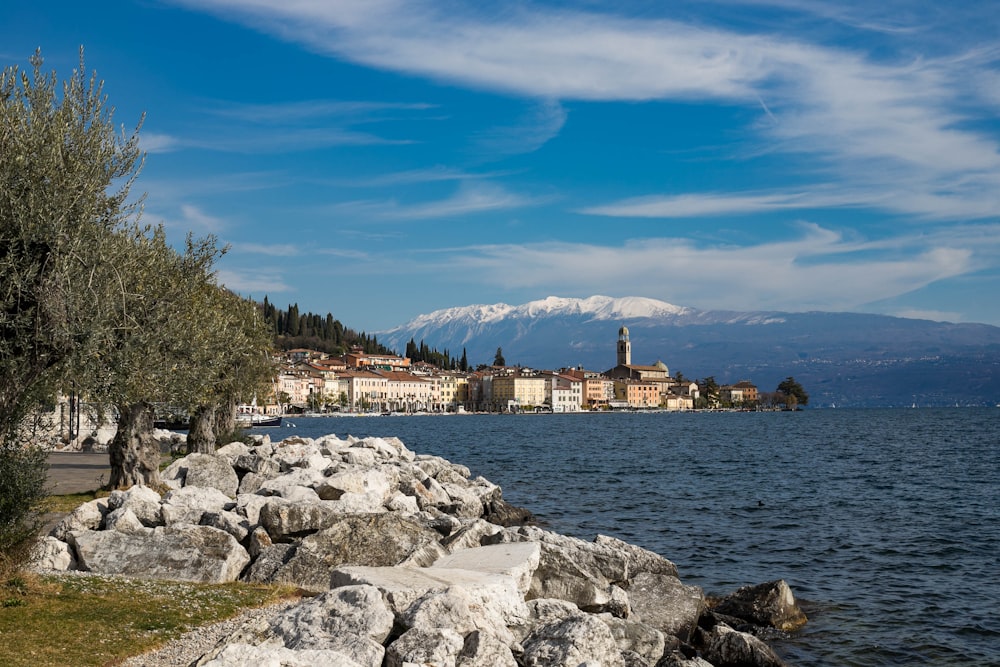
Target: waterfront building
<point>563,392</point>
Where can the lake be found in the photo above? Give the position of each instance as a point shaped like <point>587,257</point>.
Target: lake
<point>885,523</point>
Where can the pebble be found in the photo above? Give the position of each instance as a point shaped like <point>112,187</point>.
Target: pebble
<point>195,643</point>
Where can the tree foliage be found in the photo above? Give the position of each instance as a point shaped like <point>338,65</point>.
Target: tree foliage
<point>65,177</point>
<point>793,393</point>
<point>498,359</point>
<point>91,299</point>
<point>292,329</point>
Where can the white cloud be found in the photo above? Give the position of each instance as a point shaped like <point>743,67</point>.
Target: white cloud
<point>820,269</point>
<point>272,249</point>
<point>155,142</point>
<point>252,282</point>
<point>191,218</point>
<point>469,198</point>
<point>532,131</point>
<point>903,123</point>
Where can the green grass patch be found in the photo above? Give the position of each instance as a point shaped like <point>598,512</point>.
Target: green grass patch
<point>68,502</point>
<point>95,621</point>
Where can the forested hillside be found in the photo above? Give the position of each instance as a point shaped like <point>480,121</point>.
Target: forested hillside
<point>293,329</point>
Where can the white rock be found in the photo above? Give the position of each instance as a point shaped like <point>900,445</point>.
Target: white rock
<point>242,655</point>
<point>232,451</point>
<point>400,502</point>
<point>181,552</point>
<point>124,520</point>
<point>50,553</point>
<point>577,640</point>
<point>402,586</point>
<point>188,504</point>
<point>353,620</point>
<point>88,516</point>
<point>358,456</point>
<point>437,646</point>
<point>231,522</point>
<point>517,560</point>
<point>142,500</point>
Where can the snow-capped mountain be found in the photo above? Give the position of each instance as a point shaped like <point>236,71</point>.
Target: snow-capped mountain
<point>841,358</point>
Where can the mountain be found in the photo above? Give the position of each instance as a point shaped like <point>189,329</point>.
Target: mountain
<point>842,359</point>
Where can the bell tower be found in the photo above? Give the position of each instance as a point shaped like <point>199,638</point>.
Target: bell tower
<point>624,348</point>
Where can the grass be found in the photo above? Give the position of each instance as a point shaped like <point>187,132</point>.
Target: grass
<point>66,503</point>
<point>99,621</point>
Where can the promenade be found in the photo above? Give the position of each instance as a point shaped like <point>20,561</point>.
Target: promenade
<point>77,472</point>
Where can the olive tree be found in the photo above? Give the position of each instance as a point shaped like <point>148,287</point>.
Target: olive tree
<point>236,365</point>
<point>65,177</point>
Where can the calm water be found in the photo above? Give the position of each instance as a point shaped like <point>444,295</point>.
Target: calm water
<point>886,523</point>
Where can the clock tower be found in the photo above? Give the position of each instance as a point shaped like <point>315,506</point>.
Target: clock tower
<point>624,348</point>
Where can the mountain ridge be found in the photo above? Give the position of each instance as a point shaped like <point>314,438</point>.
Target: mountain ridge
<point>844,359</point>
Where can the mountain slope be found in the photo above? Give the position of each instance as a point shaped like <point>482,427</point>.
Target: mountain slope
<point>847,359</point>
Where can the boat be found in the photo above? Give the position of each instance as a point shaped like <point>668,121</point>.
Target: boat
<point>258,420</point>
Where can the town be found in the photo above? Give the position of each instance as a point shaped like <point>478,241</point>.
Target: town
<point>359,382</point>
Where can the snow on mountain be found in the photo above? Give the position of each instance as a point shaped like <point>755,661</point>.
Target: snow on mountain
<point>844,358</point>
<point>592,308</point>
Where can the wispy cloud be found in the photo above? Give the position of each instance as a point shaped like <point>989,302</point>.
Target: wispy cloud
<point>155,142</point>
<point>257,282</point>
<point>532,131</point>
<point>191,218</point>
<point>273,250</point>
<point>899,121</point>
<point>469,198</point>
<point>819,269</point>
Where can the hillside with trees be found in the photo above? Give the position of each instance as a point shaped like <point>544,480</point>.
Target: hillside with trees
<point>292,329</point>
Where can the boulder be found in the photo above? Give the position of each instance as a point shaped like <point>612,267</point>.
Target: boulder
<point>241,655</point>
<point>353,620</point>
<point>481,649</point>
<point>427,490</point>
<point>419,646</point>
<point>203,470</point>
<point>455,608</point>
<point>362,539</point>
<point>646,642</point>
<point>88,516</point>
<point>380,481</point>
<point>726,647</point>
<point>232,451</point>
<point>517,560</point>
<point>771,604</point>
<point>144,502</point>
<point>663,602</point>
<point>50,553</point>
<point>358,456</point>
<point>231,522</point>
<point>472,534</point>
<point>188,504</point>
<point>403,586</point>
<point>570,642</point>
<point>268,561</point>
<point>124,520</point>
<point>297,452</point>
<point>284,518</point>
<point>181,552</point>
<point>570,569</point>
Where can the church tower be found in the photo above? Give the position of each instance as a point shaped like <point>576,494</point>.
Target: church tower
<point>624,348</point>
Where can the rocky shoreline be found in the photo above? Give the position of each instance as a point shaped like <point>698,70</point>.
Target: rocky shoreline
<point>405,559</point>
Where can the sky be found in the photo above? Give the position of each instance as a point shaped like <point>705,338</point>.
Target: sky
<point>380,159</point>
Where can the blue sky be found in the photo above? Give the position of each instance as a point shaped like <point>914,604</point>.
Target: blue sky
<point>380,159</point>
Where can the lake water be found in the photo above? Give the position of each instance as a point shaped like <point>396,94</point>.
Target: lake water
<point>886,523</point>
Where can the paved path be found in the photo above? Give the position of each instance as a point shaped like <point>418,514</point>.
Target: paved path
<point>77,472</point>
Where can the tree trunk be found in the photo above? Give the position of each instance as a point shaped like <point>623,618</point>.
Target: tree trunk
<point>201,435</point>
<point>135,455</point>
<point>225,420</point>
